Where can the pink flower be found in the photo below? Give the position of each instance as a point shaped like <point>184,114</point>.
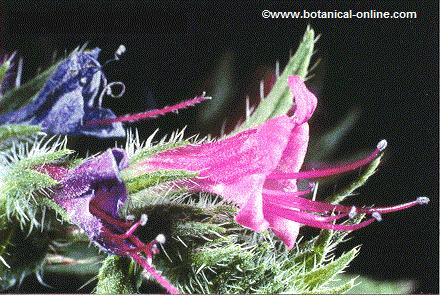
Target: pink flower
<point>257,170</point>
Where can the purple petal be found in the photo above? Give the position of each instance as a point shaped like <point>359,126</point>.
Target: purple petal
<point>96,182</point>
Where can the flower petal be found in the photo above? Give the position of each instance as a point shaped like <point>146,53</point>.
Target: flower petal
<point>97,180</point>
<point>305,101</point>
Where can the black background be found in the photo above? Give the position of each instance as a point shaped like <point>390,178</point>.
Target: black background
<point>386,68</point>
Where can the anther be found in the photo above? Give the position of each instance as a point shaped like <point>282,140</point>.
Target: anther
<point>160,239</point>
<point>422,200</point>
<point>143,220</point>
<point>121,50</point>
<point>130,218</point>
<point>377,216</point>
<point>206,97</point>
<point>382,145</point>
<point>353,212</point>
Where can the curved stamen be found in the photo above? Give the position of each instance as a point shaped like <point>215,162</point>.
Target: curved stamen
<point>160,279</point>
<point>109,91</point>
<point>334,170</point>
<point>150,114</point>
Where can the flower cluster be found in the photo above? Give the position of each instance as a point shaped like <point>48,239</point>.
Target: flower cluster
<point>256,169</point>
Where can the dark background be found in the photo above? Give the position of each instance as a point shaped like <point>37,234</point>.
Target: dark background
<point>386,68</point>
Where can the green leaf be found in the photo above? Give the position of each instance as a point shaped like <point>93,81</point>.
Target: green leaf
<point>315,255</point>
<point>12,131</point>
<point>279,100</point>
<point>322,275</point>
<point>341,194</point>
<point>338,289</point>
<point>137,183</point>
<point>18,97</point>
<point>114,278</point>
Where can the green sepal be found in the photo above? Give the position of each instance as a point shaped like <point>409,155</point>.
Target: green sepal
<point>135,184</point>
<point>147,152</point>
<point>114,278</point>
<point>326,273</point>
<point>48,157</point>
<point>371,286</point>
<point>13,131</point>
<point>279,100</point>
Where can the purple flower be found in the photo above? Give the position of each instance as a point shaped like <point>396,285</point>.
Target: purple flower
<point>71,100</point>
<point>257,170</point>
<point>92,194</point>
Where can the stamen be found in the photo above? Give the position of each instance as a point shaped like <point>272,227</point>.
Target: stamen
<point>383,210</point>
<point>130,218</point>
<point>107,218</point>
<point>382,145</point>
<point>331,171</point>
<point>150,114</point>
<point>109,91</point>
<point>301,218</point>
<point>316,206</point>
<point>160,279</point>
<point>120,51</point>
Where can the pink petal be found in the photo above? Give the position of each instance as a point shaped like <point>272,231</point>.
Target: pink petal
<point>291,160</point>
<point>251,214</point>
<point>286,230</point>
<point>305,101</point>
